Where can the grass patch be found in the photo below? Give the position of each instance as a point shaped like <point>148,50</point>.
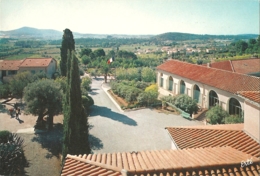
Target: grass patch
<point>22,56</point>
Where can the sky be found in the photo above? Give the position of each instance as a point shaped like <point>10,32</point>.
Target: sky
<point>219,17</point>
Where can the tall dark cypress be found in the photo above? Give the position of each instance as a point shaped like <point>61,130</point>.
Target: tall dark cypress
<point>68,44</point>
<point>75,123</point>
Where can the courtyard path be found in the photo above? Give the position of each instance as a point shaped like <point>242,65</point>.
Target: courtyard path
<point>113,130</point>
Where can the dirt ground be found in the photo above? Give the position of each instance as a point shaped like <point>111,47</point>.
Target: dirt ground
<point>42,148</point>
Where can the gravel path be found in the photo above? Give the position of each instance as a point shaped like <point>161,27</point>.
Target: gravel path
<point>113,130</point>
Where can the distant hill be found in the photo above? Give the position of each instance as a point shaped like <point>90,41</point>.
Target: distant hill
<point>28,32</point>
<point>186,36</point>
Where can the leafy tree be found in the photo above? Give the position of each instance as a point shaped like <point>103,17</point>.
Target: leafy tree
<point>43,98</point>
<point>216,115</point>
<point>148,75</point>
<point>19,82</point>
<point>85,51</point>
<point>99,53</point>
<point>105,69</point>
<point>85,59</point>
<point>68,44</point>
<point>86,85</point>
<point>75,138</point>
<point>241,46</point>
<point>4,90</point>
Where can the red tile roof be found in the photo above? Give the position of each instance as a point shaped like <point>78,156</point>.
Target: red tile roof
<point>202,161</point>
<point>36,62</point>
<point>10,64</point>
<point>197,137</point>
<point>250,95</point>
<point>246,66</point>
<point>224,65</point>
<point>79,165</point>
<point>221,79</point>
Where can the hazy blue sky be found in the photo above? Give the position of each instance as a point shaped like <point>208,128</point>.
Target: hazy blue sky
<point>133,16</point>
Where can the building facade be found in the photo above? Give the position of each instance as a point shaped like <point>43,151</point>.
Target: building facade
<point>8,68</point>
<point>207,86</point>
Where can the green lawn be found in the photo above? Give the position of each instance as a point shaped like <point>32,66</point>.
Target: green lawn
<point>22,56</point>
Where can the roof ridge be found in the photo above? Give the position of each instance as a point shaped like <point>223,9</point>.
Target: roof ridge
<point>230,61</point>
<point>213,68</point>
<point>105,166</point>
<point>207,127</point>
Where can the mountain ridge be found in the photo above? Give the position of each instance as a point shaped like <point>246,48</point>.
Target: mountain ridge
<point>34,33</point>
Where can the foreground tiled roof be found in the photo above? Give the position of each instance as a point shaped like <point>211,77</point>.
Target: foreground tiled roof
<point>244,66</point>
<point>197,137</point>
<point>203,161</point>
<point>224,80</point>
<point>10,64</point>
<point>36,62</point>
<point>251,95</point>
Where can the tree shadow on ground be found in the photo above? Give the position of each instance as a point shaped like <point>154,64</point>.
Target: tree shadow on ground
<point>94,143</point>
<point>106,112</point>
<point>51,140</point>
<point>93,92</point>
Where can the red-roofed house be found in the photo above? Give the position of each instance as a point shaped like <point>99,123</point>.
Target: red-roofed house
<point>9,68</point>
<point>208,86</point>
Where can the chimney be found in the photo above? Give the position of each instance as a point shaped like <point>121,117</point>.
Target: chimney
<point>208,65</point>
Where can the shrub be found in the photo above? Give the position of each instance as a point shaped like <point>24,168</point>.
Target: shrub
<point>216,115</point>
<point>4,135</point>
<point>233,119</point>
<point>85,84</point>
<point>11,154</point>
<point>186,103</point>
<point>152,87</point>
<point>87,101</point>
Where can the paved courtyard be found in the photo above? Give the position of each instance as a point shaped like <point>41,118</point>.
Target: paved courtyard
<point>113,130</point>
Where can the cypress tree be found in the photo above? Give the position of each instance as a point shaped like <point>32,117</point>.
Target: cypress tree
<point>75,124</point>
<point>68,44</point>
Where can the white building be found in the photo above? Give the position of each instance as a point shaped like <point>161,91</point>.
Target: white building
<point>208,86</point>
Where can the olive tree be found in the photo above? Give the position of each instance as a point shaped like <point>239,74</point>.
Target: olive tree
<point>43,97</point>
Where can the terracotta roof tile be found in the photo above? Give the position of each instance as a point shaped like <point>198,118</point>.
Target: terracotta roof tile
<point>224,80</point>
<point>36,62</point>
<point>10,64</point>
<point>224,65</point>
<point>198,137</point>
<point>250,95</point>
<point>246,66</point>
<point>199,161</point>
